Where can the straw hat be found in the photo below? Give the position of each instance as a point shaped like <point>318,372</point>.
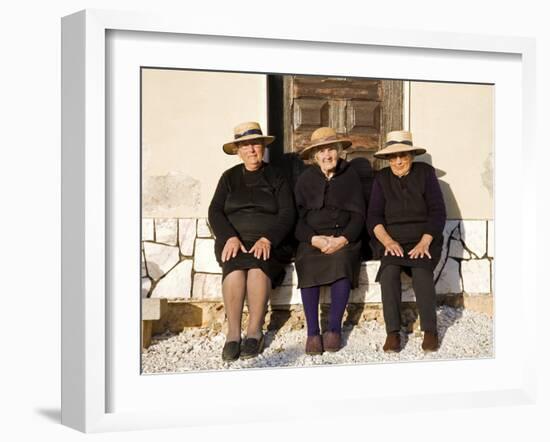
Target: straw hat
<point>399,141</point>
<point>324,137</point>
<point>246,131</point>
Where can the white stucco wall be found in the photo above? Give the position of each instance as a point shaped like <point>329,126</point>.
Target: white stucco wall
<point>454,122</point>
<point>186,117</point>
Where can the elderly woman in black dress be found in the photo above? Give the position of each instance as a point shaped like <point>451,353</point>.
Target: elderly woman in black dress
<point>251,214</point>
<point>331,211</point>
<point>406,217</point>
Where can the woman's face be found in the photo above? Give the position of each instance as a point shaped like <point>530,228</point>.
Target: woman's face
<point>400,163</point>
<point>251,153</point>
<point>326,158</point>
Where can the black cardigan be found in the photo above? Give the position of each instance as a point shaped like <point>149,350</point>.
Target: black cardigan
<point>342,193</point>
<point>230,181</point>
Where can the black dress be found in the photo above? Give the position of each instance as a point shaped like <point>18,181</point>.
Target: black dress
<point>332,207</point>
<point>407,207</point>
<point>251,205</point>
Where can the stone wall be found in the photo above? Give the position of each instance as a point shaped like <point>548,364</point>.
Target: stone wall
<point>178,263</point>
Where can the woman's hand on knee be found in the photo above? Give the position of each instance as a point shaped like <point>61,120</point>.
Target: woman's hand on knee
<point>393,248</point>
<point>231,248</point>
<point>421,249</point>
<point>261,249</point>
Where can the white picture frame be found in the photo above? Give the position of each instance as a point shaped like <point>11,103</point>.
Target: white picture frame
<point>88,175</point>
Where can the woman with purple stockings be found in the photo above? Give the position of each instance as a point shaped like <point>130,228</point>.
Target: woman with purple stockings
<point>331,212</point>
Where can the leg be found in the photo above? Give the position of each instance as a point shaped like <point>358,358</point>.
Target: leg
<point>257,289</point>
<point>424,290</point>
<point>310,301</point>
<point>233,290</point>
<point>390,282</point>
<point>339,295</point>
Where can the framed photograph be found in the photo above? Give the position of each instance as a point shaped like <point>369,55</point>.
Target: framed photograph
<point>115,69</point>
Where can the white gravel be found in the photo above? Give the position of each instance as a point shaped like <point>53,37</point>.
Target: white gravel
<point>464,334</point>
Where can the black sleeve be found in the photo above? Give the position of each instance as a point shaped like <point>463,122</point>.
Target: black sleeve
<point>353,230</point>
<point>303,232</point>
<point>377,203</point>
<point>222,228</point>
<point>285,216</point>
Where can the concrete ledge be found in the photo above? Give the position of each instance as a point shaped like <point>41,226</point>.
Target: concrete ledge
<point>152,309</point>
<point>186,313</point>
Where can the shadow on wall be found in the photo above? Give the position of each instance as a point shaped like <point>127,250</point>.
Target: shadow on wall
<point>450,200</point>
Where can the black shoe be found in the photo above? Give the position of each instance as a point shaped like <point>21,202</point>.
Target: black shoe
<point>231,351</point>
<point>252,347</point>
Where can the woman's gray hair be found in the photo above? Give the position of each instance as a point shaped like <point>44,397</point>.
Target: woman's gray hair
<point>311,159</point>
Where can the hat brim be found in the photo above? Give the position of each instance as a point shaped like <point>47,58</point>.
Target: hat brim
<point>231,147</point>
<point>306,151</point>
<point>383,154</point>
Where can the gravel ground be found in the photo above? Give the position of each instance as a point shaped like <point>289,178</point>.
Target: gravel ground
<point>464,334</point>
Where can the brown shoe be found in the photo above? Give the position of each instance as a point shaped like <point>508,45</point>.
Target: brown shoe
<point>393,343</point>
<point>332,341</point>
<point>314,345</point>
<point>430,342</point>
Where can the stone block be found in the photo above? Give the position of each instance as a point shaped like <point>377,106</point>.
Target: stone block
<point>145,287</point>
<point>372,270</point>
<point>474,236</point>
<point>207,287</point>
<point>491,239</point>
<point>166,231</point>
<point>285,295</point>
<point>205,260</point>
<point>476,276</point>
<point>451,229</point>
<point>176,284</point>
<point>366,293</point>
<point>479,303</point>
<point>203,229</point>
<point>181,314</point>
<point>153,309</point>
<point>449,280</point>
<point>187,234</point>
<point>408,295</point>
<point>147,229</point>
<point>143,266</point>
<point>291,278</point>
<point>159,259</point>
<point>456,250</point>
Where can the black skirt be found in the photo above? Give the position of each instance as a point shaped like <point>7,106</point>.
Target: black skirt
<point>314,268</point>
<point>406,262</point>
<point>274,267</point>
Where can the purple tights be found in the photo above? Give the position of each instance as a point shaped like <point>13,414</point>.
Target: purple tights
<point>339,295</point>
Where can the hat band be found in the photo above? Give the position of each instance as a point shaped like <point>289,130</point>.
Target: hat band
<point>249,132</point>
<point>407,142</point>
<point>325,139</point>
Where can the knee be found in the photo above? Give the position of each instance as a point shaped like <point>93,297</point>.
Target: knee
<point>235,276</point>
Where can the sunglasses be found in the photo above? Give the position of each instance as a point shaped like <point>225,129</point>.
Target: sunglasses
<point>394,156</point>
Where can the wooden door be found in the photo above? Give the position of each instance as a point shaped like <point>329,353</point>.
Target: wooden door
<point>364,110</point>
